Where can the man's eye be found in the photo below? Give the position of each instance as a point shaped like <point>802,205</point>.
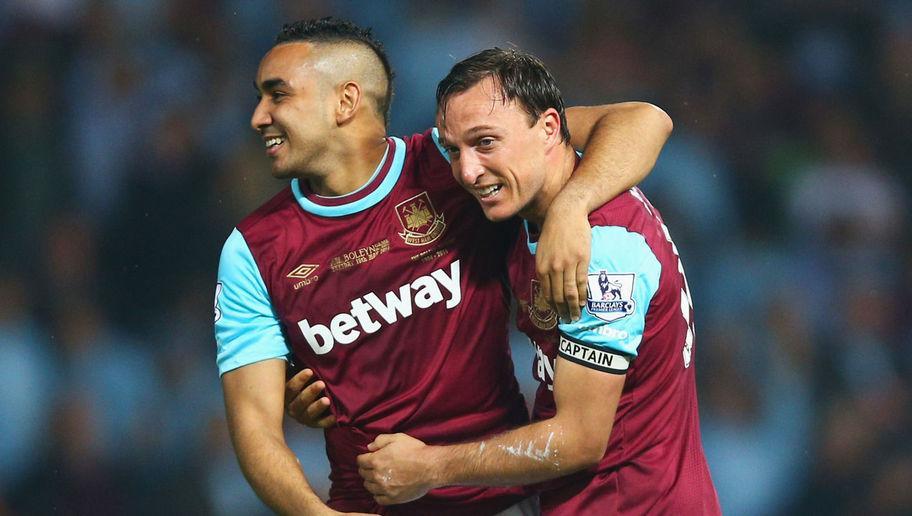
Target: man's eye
<point>451,150</point>
<point>486,142</point>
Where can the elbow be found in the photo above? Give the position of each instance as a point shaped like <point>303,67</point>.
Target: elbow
<point>659,118</point>
<point>652,117</point>
<point>585,451</point>
<point>590,453</point>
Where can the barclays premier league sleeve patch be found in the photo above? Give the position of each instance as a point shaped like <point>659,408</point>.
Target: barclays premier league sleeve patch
<point>623,277</point>
<point>611,295</point>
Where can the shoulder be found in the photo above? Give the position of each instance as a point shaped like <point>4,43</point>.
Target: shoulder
<point>627,209</point>
<point>425,156</point>
<point>269,211</point>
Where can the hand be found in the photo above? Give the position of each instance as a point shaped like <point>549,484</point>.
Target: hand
<point>303,402</point>
<point>562,258</point>
<point>394,472</point>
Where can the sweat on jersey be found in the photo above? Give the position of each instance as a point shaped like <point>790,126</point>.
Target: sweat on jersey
<point>638,321</point>
<point>394,296</point>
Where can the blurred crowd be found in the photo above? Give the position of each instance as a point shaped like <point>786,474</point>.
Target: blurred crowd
<point>127,158</point>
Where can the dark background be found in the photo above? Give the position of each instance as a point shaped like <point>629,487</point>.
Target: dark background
<point>127,158</point>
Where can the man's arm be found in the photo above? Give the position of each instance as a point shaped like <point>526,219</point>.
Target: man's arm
<point>401,468</point>
<point>254,403</point>
<point>622,143</point>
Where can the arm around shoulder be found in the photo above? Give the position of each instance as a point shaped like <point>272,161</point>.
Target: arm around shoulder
<point>622,143</point>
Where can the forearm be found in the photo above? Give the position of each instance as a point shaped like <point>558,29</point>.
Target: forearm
<point>620,150</point>
<point>540,451</point>
<point>254,397</point>
<point>275,474</point>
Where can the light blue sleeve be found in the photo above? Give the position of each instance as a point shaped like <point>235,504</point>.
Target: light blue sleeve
<point>435,135</point>
<point>246,328</point>
<point>623,277</point>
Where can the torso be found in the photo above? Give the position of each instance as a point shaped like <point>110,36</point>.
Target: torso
<point>400,309</point>
<point>654,461</point>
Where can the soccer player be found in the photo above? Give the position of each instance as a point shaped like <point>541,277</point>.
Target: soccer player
<point>616,409</point>
<point>378,273</point>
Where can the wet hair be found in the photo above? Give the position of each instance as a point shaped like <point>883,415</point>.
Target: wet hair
<point>335,30</point>
<point>520,76</point>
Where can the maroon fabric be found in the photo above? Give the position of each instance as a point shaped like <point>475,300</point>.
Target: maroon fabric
<point>440,374</point>
<point>654,463</point>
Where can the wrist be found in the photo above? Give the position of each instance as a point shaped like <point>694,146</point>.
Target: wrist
<point>314,505</point>
<point>570,202</point>
<point>437,460</point>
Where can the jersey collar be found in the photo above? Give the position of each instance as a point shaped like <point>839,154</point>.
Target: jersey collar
<point>376,188</point>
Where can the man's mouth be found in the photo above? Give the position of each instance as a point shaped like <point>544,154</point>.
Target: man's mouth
<point>273,143</point>
<point>488,191</point>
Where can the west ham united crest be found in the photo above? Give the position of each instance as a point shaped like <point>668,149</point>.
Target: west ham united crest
<point>540,312</point>
<point>419,219</point>
<point>611,295</point>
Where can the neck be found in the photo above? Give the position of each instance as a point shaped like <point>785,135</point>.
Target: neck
<point>351,168</point>
<point>560,165</point>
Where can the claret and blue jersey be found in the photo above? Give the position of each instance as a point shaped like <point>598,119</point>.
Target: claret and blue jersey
<point>394,296</point>
<point>638,321</point>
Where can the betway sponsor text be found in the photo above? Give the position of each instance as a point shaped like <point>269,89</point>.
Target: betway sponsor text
<point>369,312</point>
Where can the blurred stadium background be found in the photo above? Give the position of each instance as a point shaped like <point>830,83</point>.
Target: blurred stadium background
<point>127,158</point>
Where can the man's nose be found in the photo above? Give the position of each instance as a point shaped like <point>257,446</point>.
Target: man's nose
<point>261,117</point>
<point>468,168</point>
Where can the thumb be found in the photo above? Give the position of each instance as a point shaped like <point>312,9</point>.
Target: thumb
<point>381,441</point>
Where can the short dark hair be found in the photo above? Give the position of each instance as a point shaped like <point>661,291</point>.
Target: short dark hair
<point>337,30</point>
<point>521,77</point>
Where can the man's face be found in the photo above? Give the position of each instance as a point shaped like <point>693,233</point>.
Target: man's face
<point>292,115</point>
<point>494,153</point>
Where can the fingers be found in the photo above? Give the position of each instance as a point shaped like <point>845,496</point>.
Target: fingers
<point>365,464</point>
<point>559,295</point>
<point>572,294</point>
<point>297,382</point>
<point>308,397</point>
<point>309,408</point>
<point>582,285</point>
<point>379,492</point>
<point>326,422</point>
<point>544,279</point>
<point>375,486</point>
<point>575,288</point>
<point>381,441</point>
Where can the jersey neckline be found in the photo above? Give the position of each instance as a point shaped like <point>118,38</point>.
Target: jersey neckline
<point>376,188</point>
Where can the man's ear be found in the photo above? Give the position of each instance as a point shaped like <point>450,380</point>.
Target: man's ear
<point>350,96</point>
<point>551,126</point>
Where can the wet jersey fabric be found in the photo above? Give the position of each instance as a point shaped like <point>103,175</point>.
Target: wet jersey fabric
<point>395,296</point>
<point>638,321</point>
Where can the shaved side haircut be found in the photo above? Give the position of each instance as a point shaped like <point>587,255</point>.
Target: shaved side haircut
<point>332,30</point>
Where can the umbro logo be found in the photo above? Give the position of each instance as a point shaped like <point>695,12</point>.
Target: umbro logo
<point>305,273</point>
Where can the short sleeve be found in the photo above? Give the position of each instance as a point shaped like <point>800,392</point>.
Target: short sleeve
<point>623,278</point>
<point>246,327</point>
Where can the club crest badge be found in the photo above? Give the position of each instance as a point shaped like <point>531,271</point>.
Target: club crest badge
<point>540,312</point>
<point>420,221</point>
<point>611,295</point>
